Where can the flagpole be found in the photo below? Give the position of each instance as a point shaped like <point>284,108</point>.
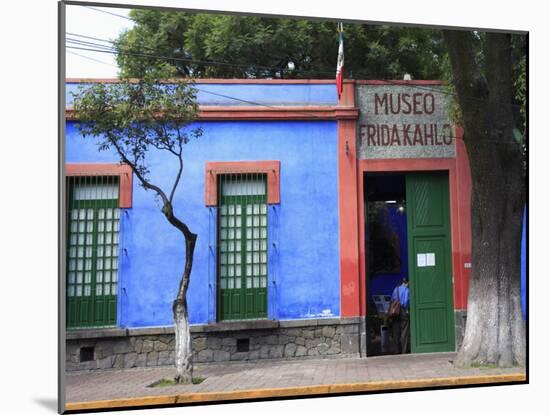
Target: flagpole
<point>340,60</point>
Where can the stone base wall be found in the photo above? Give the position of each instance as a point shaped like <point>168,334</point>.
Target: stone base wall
<point>299,339</point>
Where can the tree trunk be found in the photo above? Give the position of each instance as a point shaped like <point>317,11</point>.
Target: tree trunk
<point>495,333</point>
<point>183,351</point>
<point>183,347</point>
<point>495,330</point>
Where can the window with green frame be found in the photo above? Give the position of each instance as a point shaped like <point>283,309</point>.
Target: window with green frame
<point>242,246</point>
<point>92,250</point>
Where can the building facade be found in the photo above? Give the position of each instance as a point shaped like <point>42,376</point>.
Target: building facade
<point>307,208</point>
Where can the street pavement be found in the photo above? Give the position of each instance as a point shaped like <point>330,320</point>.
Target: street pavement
<point>115,384</point>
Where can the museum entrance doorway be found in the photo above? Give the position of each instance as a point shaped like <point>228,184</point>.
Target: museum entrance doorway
<point>408,235</point>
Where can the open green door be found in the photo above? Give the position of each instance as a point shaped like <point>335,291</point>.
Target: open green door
<point>430,269</point>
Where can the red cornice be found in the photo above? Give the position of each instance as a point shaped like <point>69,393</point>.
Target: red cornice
<point>203,81</point>
<point>220,81</point>
<point>400,82</point>
<point>211,81</point>
<point>278,113</point>
<point>223,113</point>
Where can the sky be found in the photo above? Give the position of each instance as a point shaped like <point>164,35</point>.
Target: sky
<point>100,23</point>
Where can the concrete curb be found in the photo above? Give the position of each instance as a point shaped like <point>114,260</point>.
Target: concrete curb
<point>374,386</point>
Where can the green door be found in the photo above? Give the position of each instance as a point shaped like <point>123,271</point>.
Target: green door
<point>430,270</point>
<point>242,247</point>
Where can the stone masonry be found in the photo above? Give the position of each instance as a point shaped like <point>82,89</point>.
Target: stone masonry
<point>239,341</point>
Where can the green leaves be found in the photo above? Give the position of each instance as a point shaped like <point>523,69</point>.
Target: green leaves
<point>229,46</point>
<point>136,117</point>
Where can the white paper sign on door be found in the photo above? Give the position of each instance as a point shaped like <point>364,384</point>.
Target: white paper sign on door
<point>430,259</point>
<point>420,260</point>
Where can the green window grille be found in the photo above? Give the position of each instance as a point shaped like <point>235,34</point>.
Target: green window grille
<point>92,251</point>
<point>242,246</point>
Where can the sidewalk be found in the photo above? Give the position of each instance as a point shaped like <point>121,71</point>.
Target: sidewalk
<point>260,379</point>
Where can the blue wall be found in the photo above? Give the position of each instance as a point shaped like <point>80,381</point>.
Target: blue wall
<point>247,94</point>
<point>384,283</point>
<point>304,275</point>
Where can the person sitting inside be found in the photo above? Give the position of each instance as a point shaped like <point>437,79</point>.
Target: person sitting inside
<point>400,325</point>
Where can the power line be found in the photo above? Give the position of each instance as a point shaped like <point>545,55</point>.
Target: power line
<point>111,13</point>
<point>90,37</point>
<point>255,103</point>
<point>258,103</point>
<point>245,65</point>
<point>211,92</point>
<point>89,44</point>
<point>107,50</point>
<point>92,59</point>
<point>167,58</point>
<point>214,63</point>
<point>391,82</point>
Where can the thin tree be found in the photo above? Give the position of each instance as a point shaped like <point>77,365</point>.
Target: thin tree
<point>135,117</point>
<point>482,76</point>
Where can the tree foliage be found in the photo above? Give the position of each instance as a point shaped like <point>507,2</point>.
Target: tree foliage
<point>229,46</point>
<point>519,74</point>
<point>137,117</point>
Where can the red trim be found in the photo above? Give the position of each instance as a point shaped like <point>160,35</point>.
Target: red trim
<point>399,82</point>
<point>218,113</point>
<point>412,164</point>
<point>261,81</point>
<point>347,209</point>
<point>464,221</point>
<point>123,171</point>
<point>208,81</point>
<point>278,113</point>
<point>213,169</point>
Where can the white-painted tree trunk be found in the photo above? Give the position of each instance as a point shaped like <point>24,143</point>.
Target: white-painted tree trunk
<point>183,351</point>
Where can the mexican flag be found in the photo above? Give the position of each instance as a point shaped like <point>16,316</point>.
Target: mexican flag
<point>340,63</point>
